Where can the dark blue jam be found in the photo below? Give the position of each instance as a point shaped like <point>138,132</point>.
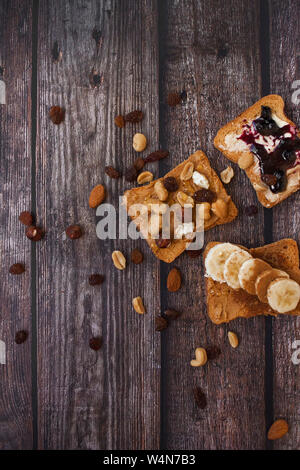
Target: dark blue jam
<point>273,166</point>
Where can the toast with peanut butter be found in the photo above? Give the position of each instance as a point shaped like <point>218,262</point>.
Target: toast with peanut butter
<point>243,282</point>
<point>266,144</point>
<point>194,184</point>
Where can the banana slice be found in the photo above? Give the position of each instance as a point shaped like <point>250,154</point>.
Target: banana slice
<point>216,258</point>
<point>232,268</point>
<point>249,272</point>
<point>264,280</point>
<point>283,295</point>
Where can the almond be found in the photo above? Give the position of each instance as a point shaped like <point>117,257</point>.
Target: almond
<point>278,429</point>
<point>97,196</point>
<point>174,280</point>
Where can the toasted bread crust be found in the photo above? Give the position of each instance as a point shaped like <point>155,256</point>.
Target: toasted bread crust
<point>225,304</point>
<point>138,195</point>
<point>235,127</point>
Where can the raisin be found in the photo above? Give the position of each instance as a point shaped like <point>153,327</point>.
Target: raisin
<point>21,336</point>
<point>161,323</point>
<point>172,314</point>
<point>26,218</point>
<point>173,99</point>
<point>137,256</point>
<point>131,174</point>
<point>269,179</point>
<point>162,242</point>
<point>157,155</point>
<point>112,172</point>
<point>134,116</point>
<point>200,398</point>
<point>95,343</point>
<point>204,195</point>
<point>56,52</point>
<point>139,164</point>
<point>183,95</point>
<point>193,253</point>
<point>57,114</point>
<point>34,233</point>
<point>170,184</point>
<point>96,279</point>
<point>17,268</point>
<point>251,210</point>
<point>74,232</point>
<point>119,121</point>
<point>213,352</point>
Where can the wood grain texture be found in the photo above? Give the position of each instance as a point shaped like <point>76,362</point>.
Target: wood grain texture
<point>216,61</point>
<point>285,69</point>
<point>107,399</point>
<point>15,196</point>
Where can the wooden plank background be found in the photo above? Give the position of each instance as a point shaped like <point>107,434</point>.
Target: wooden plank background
<point>136,393</point>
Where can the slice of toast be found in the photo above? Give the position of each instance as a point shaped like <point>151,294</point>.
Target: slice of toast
<point>141,194</point>
<point>226,141</point>
<point>225,304</point>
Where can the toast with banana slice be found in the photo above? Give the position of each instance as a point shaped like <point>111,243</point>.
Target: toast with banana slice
<point>266,144</point>
<point>243,282</point>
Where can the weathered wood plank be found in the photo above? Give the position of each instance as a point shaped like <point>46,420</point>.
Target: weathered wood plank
<point>15,196</point>
<point>285,69</point>
<point>109,399</point>
<point>216,60</point>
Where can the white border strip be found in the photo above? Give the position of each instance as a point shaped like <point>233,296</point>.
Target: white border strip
<point>2,92</point>
<point>2,352</point>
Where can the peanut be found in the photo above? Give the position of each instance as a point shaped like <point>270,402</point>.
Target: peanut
<point>245,161</point>
<point>145,177</point>
<point>155,206</point>
<point>201,358</point>
<point>161,191</point>
<point>233,339</point>
<point>187,171</point>
<point>139,142</point>
<point>155,225</point>
<point>119,260</point>
<point>184,199</point>
<point>227,175</point>
<point>203,210</point>
<point>220,208</point>
<point>138,305</point>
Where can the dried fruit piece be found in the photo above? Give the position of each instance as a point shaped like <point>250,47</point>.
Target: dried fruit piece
<point>157,155</point>
<point>96,279</point>
<point>119,121</point>
<point>227,175</point>
<point>174,280</point>
<point>112,172</point>
<point>74,232</point>
<point>161,323</point>
<point>95,343</point>
<point>21,336</point>
<point>139,142</point>
<point>278,429</point>
<point>204,195</point>
<point>139,163</point>
<point>233,339</point>
<point>145,177</point>
<point>213,352</point>
<point>34,233</point>
<point>250,211</point>
<point>97,196</point>
<point>200,397</point>
<point>194,253</point>
<point>17,268</point>
<point>26,218</point>
<point>57,114</point>
<point>131,174</point>
<point>172,314</point>
<point>134,116</point>
<point>138,305</point>
<point>173,98</point>
<point>170,184</point>
<point>118,259</point>
<point>137,256</point>
<point>162,242</point>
